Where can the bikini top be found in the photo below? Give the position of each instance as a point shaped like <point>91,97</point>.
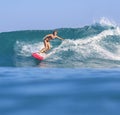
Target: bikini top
<point>48,38</point>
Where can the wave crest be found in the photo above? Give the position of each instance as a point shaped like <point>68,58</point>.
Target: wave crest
<point>96,45</point>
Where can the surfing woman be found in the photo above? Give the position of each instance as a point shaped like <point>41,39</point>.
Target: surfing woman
<point>47,39</point>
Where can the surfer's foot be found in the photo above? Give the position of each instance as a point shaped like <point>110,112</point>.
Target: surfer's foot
<point>42,52</point>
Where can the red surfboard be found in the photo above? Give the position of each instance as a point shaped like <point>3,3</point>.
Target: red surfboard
<point>38,56</point>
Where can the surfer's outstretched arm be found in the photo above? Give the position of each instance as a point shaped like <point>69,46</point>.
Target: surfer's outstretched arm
<point>59,38</point>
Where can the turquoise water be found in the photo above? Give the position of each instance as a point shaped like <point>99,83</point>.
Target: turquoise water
<point>80,77</point>
<point>95,46</point>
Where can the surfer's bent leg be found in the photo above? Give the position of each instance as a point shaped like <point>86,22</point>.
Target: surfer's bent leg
<point>46,47</point>
<point>43,49</point>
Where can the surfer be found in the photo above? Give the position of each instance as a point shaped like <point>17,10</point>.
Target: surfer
<point>47,39</point>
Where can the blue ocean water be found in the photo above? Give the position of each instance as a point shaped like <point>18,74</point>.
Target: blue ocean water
<point>81,76</point>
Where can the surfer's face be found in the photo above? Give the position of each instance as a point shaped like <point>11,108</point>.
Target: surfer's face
<point>55,33</point>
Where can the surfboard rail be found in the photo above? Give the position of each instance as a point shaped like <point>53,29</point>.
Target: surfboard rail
<point>38,56</point>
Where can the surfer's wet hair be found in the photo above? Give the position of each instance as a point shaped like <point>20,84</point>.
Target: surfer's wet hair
<point>54,31</point>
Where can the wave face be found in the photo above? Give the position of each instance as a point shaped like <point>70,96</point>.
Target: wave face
<point>93,46</point>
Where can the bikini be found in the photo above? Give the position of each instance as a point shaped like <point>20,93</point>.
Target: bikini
<point>47,39</point>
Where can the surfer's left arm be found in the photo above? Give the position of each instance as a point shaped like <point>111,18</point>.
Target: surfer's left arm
<point>59,38</point>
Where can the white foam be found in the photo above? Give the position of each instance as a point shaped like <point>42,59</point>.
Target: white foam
<point>25,49</point>
<point>84,48</point>
<point>90,47</point>
<point>107,22</point>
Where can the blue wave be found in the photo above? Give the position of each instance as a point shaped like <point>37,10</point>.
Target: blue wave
<point>94,46</point>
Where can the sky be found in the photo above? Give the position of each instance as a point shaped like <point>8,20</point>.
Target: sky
<point>52,14</point>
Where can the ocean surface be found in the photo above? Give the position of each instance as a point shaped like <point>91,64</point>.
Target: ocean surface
<point>80,76</point>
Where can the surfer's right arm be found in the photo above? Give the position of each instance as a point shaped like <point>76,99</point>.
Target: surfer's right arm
<point>59,38</point>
